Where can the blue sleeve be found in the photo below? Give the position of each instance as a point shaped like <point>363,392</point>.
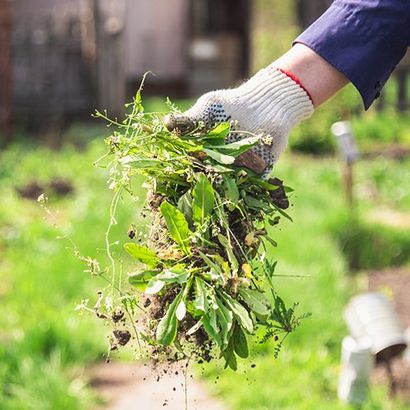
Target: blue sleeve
<point>363,39</point>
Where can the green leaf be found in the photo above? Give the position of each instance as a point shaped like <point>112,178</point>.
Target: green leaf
<point>216,272</point>
<point>185,205</point>
<point>212,276</point>
<point>257,301</point>
<point>232,192</point>
<point>142,254</point>
<point>240,313</point>
<point>221,158</point>
<point>274,221</point>
<point>194,328</point>
<point>141,162</point>
<point>225,319</point>
<point>210,263</point>
<point>200,302</point>
<point>238,147</point>
<point>229,356</point>
<point>210,326</point>
<point>220,131</point>
<point>203,199</point>
<point>228,247</point>
<point>269,268</point>
<point>244,142</point>
<point>180,311</point>
<point>282,212</point>
<point>240,344</point>
<point>177,225</point>
<point>263,183</point>
<point>223,264</point>
<point>256,204</point>
<point>271,241</point>
<point>173,275</point>
<point>220,169</point>
<point>168,326</point>
<point>140,280</point>
<point>154,286</point>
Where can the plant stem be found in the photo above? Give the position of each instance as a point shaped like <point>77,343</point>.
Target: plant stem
<point>113,209</point>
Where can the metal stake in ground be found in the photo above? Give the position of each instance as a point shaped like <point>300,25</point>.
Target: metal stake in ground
<point>347,146</point>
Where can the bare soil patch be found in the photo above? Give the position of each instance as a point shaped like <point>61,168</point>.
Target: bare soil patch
<point>139,387</point>
<point>391,217</point>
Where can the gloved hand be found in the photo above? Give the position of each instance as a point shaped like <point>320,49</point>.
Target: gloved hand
<point>270,104</point>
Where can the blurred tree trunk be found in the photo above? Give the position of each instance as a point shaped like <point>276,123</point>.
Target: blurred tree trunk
<point>5,71</point>
<point>309,10</point>
<point>109,20</point>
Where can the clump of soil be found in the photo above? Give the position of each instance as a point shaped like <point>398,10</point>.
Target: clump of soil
<point>279,197</point>
<point>117,315</point>
<point>122,336</point>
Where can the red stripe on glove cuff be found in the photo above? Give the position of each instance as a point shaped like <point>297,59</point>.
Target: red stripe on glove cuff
<point>297,81</point>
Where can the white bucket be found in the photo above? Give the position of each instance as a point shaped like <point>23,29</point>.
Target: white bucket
<point>357,364</point>
<point>371,317</point>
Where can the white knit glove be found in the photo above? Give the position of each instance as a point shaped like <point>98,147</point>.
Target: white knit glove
<point>271,103</point>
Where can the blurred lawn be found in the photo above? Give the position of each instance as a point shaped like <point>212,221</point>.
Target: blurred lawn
<point>43,342</point>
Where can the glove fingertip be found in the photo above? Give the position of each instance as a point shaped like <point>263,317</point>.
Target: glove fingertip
<point>180,124</point>
<point>251,160</point>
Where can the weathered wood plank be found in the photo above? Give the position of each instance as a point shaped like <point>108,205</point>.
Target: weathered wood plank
<point>110,68</point>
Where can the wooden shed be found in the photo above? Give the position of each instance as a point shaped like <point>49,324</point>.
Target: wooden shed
<point>70,56</point>
<point>191,45</point>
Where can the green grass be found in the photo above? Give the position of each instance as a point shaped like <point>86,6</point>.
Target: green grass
<point>44,342</point>
<point>369,246</point>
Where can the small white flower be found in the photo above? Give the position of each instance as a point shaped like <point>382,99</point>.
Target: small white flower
<point>267,139</point>
<point>42,199</point>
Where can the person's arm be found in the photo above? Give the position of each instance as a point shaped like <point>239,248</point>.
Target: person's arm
<point>363,39</point>
<point>320,78</point>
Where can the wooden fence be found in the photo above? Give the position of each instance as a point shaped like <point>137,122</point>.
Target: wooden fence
<point>67,62</point>
<point>49,71</point>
